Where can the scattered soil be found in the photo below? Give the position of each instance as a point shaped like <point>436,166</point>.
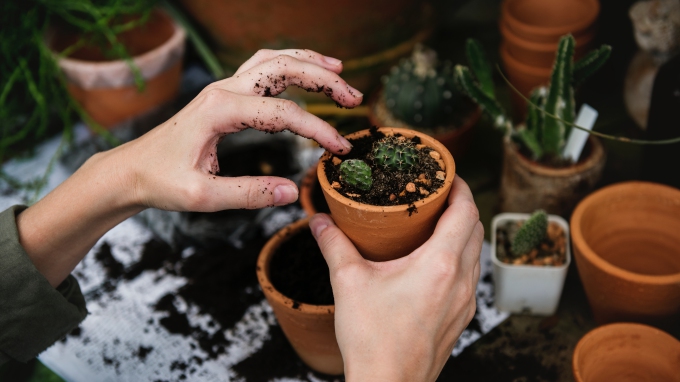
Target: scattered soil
<point>551,251</point>
<point>299,271</point>
<point>387,182</point>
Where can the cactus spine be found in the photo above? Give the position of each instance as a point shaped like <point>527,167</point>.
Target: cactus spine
<point>356,173</point>
<point>395,154</point>
<point>541,135</point>
<point>530,234</point>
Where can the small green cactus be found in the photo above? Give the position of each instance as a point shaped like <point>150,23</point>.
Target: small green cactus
<point>541,134</point>
<point>420,91</point>
<point>395,154</point>
<point>356,173</point>
<point>531,233</point>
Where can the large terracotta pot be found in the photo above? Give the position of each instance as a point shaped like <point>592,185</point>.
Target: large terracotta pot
<point>383,233</point>
<point>527,186</point>
<point>106,89</point>
<point>366,35</point>
<point>457,139</point>
<point>310,329</point>
<point>627,353</point>
<point>626,240</point>
<point>546,21</point>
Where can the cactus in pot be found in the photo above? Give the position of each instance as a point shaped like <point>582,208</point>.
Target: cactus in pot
<point>542,135</point>
<point>530,234</point>
<point>395,154</point>
<point>356,173</point>
<point>421,92</point>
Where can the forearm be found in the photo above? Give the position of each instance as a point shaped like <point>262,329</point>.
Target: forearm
<point>59,230</point>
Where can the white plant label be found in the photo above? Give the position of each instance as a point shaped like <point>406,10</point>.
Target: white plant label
<point>577,138</point>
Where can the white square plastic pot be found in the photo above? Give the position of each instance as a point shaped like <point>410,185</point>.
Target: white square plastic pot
<point>528,289</point>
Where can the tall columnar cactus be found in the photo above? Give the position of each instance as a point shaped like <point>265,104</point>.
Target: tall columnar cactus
<point>542,134</point>
<point>530,234</point>
<point>356,173</point>
<point>420,91</point>
<point>395,154</point>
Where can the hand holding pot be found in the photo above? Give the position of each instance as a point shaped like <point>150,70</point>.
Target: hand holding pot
<point>174,166</point>
<point>399,320</point>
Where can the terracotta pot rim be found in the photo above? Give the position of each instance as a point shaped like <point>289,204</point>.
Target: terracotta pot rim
<point>587,252</point>
<point>543,47</point>
<point>470,120</point>
<point>306,187</point>
<point>516,216</point>
<point>596,154</point>
<point>426,139</point>
<point>576,27</point>
<point>263,262</point>
<point>510,60</point>
<point>177,38</point>
<point>629,327</point>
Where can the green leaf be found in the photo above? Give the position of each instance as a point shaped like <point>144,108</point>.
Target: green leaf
<point>591,63</point>
<point>535,117</point>
<point>560,101</point>
<point>480,66</point>
<point>467,85</point>
<point>529,140</point>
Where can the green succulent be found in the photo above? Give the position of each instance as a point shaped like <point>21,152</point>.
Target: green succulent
<point>395,154</point>
<point>356,173</point>
<point>531,233</point>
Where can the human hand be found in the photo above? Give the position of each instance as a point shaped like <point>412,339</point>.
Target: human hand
<point>399,320</point>
<point>175,164</point>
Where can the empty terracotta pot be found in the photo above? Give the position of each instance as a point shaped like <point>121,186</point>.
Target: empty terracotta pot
<point>106,89</point>
<point>527,185</point>
<point>383,233</point>
<point>626,240</point>
<point>546,21</point>
<point>627,352</point>
<point>541,54</point>
<point>310,329</point>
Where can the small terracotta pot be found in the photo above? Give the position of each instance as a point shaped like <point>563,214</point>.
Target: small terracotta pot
<point>457,139</point>
<point>106,89</point>
<point>626,240</point>
<point>383,233</point>
<point>627,352</point>
<point>310,329</point>
<point>527,186</point>
<point>523,77</point>
<point>541,54</point>
<point>546,21</point>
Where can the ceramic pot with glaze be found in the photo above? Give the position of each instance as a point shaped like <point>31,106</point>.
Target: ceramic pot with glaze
<point>383,233</point>
<point>627,352</point>
<point>310,329</point>
<point>527,185</point>
<point>106,89</point>
<point>626,240</point>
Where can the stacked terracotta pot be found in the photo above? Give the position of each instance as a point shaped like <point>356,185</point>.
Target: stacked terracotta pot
<point>531,30</point>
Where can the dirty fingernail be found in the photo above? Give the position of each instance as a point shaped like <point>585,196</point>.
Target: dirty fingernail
<point>345,142</point>
<point>318,223</point>
<point>354,92</point>
<point>285,194</point>
<point>331,60</point>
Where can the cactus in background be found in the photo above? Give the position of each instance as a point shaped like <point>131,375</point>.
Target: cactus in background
<point>421,92</point>
<point>530,234</point>
<point>356,173</point>
<point>394,153</point>
<point>542,135</point>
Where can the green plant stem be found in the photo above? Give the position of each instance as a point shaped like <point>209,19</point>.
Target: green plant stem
<point>595,133</point>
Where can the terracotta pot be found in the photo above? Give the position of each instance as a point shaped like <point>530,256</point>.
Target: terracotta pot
<point>541,54</point>
<point>527,186</point>
<point>311,196</point>
<point>310,329</point>
<point>349,30</point>
<point>106,89</point>
<point>546,21</point>
<point>457,139</point>
<point>383,233</point>
<point>523,77</point>
<point>625,353</point>
<point>627,249</point>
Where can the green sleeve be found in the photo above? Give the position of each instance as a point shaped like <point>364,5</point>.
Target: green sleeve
<point>33,314</point>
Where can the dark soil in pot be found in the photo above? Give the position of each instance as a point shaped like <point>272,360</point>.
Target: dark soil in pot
<point>551,251</point>
<point>390,187</point>
<point>299,271</point>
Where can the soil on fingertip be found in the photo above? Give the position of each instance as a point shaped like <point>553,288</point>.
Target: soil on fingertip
<point>299,271</point>
<point>389,186</point>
